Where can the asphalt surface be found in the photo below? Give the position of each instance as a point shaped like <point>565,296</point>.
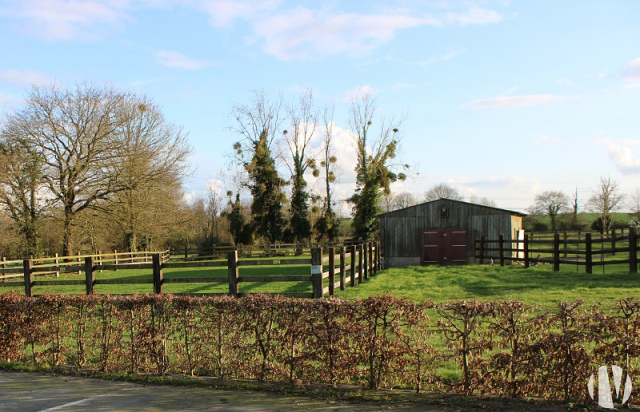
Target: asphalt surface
<point>22,391</point>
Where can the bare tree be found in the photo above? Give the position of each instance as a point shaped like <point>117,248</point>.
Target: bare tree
<point>605,200</point>
<point>485,201</point>
<point>303,119</point>
<point>635,202</point>
<point>74,131</point>
<point>398,201</point>
<point>375,170</point>
<point>328,224</point>
<point>550,203</point>
<point>151,165</point>
<point>442,190</point>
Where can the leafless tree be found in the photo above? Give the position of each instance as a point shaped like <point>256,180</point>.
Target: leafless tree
<point>74,132</point>
<point>442,190</point>
<point>635,202</point>
<point>375,167</point>
<point>605,200</point>
<point>485,201</point>
<point>328,223</point>
<point>550,203</point>
<point>151,166</point>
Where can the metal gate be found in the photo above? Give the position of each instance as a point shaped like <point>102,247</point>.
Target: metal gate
<point>444,246</point>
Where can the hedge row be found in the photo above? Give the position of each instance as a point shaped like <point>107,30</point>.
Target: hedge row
<point>503,348</point>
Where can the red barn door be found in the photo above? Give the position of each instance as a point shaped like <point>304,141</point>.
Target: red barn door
<point>444,246</point>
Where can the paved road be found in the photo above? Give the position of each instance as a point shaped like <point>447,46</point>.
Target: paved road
<point>24,392</point>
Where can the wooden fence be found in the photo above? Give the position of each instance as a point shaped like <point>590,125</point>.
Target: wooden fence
<point>364,261</point>
<point>609,249</point>
<point>249,251</point>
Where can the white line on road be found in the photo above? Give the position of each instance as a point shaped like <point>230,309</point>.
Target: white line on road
<point>55,408</point>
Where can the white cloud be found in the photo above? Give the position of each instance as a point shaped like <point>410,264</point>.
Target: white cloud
<point>67,19</point>
<point>564,82</point>
<point>475,15</point>
<point>24,78</point>
<point>358,91</point>
<point>622,157</point>
<point>443,58</point>
<point>631,74</point>
<point>514,101</point>
<point>223,13</point>
<point>544,140</point>
<point>302,33</point>
<point>178,60</point>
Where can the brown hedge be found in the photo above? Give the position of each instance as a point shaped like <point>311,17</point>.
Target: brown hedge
<point>501,348</point>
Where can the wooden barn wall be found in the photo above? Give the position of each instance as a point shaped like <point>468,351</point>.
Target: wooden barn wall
<point>401,231</point>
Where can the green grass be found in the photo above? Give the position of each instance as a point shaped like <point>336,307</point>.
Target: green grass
<point>536,285</point>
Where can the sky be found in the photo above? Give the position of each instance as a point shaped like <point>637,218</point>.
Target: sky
<point>500,99</point>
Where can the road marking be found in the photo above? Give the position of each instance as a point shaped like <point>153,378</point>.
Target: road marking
<point>55,408</point>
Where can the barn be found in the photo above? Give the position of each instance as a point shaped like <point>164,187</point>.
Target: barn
<point>442,231</point>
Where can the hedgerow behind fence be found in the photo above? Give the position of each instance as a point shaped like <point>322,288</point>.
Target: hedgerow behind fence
<point>502,348</point>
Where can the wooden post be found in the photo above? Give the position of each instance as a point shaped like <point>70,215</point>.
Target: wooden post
<point>372,269</point>
<point>28,278</point>
<point>556,252</point>
<point>482,250</point>
<point>115,258</point>
<point>587,256</point>
<point>352,252</point>
<point>613,242</point>
<point>526,250</point>
<point>501,243</point>
<point>633,247</point>
<point>565,246</point>
<point>316,272</point>
<point>186,253</point>
<point>342,268</point>
<point>378,253</point>
<point>332,270</point>
<point>365,253</point>
<point>158,276</point>
<point>234,273</point>
<point>89,275</point>
<point>360,263</point>
<point>4,266</point>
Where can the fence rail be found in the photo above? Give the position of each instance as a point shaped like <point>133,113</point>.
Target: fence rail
<point>364,261</point>
<point>618,249</point>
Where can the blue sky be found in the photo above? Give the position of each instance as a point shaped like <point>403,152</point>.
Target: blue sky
<point>504,99</point>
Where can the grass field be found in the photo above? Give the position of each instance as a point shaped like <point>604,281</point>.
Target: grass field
<point>536,285</point>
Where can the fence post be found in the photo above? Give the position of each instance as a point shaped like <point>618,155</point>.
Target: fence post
<point>633,246</point>
<point>613,242</point>
<point>158,276</point>
<point>365,253</point>
<point>316,272</point>
<point>482,250</point>
<point>342,268</point>
<point>372,269</point>
<point>378,254</point>
<point>587,256</point>
<point>4,266</point>
<point>352,252</point>
<point>89,275</point>
<point>28,278</point>
<point>360,263</point>
<point>332,270</point>
<point>526,250</point>
<point>501,245</point>
<point>234,274</point>
<point>556,252</point>
<point>565,246</point>
<point>186,253</point>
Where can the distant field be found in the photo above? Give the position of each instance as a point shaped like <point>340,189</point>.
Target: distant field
<point>585,219</point>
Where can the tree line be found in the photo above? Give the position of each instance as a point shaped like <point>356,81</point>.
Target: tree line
<point>95,168</point>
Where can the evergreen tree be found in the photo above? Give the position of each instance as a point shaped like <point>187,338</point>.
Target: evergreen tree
<point>236,219</point>
<point>267,190</point>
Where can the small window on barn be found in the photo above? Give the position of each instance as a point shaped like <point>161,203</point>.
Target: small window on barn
<point>444,211</point>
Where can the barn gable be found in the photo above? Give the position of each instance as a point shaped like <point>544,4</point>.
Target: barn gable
<point>402,232</point>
